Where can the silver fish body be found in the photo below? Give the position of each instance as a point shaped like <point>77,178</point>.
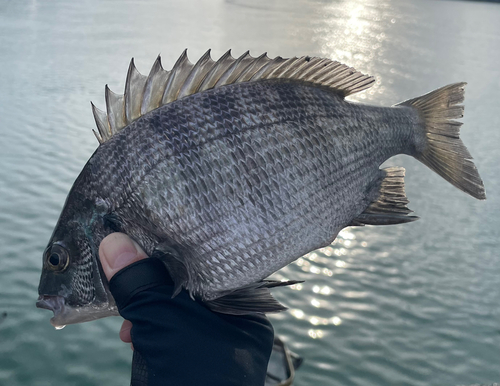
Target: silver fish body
<point>245,179</point>
<point>238,181</point>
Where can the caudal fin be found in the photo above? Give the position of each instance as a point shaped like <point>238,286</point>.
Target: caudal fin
<point>443,151</point>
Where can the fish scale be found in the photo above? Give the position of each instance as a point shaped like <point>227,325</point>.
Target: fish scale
<point>295,200</point>
<point>227,171</point>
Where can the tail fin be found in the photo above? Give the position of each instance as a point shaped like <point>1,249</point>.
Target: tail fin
<point>444,151</point>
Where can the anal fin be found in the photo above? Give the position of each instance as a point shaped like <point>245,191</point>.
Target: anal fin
<point>390,206</point>
<point>253,298</point>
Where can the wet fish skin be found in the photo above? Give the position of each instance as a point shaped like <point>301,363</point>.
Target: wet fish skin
<point>229,189</point>
<point>231,186</point>
<point>239,181</point>
<point>80,293</point>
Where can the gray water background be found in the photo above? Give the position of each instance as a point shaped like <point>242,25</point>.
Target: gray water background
<point>413,304</point>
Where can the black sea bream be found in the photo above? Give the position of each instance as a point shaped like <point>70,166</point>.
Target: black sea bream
<point>228,171</point>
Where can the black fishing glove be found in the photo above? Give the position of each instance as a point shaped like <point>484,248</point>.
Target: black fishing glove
<point>181,342</point>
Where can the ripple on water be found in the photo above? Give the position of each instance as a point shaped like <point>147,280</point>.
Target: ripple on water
<point>412,304</point>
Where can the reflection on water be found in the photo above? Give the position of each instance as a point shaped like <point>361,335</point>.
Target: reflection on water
<point>415,304</point>
<point>315,334</point>
<point>322,259</point>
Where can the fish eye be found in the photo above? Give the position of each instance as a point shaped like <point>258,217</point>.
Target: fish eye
<point>58,258</point>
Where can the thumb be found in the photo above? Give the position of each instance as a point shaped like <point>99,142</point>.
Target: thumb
<point>116,251</point>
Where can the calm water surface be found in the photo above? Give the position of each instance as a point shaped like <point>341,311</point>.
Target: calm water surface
<point>415,304</point>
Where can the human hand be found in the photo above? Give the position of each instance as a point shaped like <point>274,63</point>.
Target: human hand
<point>173,333</point>
<point>116,251</point>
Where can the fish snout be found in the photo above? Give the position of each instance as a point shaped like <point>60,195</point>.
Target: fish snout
<point>50,302</point>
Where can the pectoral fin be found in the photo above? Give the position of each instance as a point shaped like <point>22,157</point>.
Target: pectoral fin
<point>175,265</point>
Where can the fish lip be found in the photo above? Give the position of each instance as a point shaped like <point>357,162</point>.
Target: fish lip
<point>54,303</point>
<point>66,314</point>
<point>51,302</point>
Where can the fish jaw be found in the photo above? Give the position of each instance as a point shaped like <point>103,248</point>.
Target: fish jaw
<point>65,314</point>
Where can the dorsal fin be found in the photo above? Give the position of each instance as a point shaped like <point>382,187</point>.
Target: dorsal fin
<point>160,87</point>
<point>154,87</point>
<point>134,89</point>
<point>196,76</point>
<point>115,106</point>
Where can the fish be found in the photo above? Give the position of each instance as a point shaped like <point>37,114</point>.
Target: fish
<point>229,170</point>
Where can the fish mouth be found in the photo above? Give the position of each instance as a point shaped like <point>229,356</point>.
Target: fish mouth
<point>65,314</point>
<point>56,304</point>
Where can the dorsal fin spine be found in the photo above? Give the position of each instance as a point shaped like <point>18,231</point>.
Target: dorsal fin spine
<point>154,87</point>
<point>179,72</point>
<point>267,69</point>
<point>145,93</point>
<point>216,71</point>
<point>98,136</point>
<point>246,62</point>
<point>115,107</point>
<point>283,67</point>
<point>229,73</point>
<point>196,75</point>
<point>250,70</point>
<point>101,120</point>
<point>134,86</point>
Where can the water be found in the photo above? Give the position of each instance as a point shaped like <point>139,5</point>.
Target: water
<point>415,304</point>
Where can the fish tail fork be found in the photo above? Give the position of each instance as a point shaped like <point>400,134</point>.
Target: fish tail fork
<point>439,146</point>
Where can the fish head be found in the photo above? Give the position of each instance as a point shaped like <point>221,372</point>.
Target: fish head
<point>73,284</point>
